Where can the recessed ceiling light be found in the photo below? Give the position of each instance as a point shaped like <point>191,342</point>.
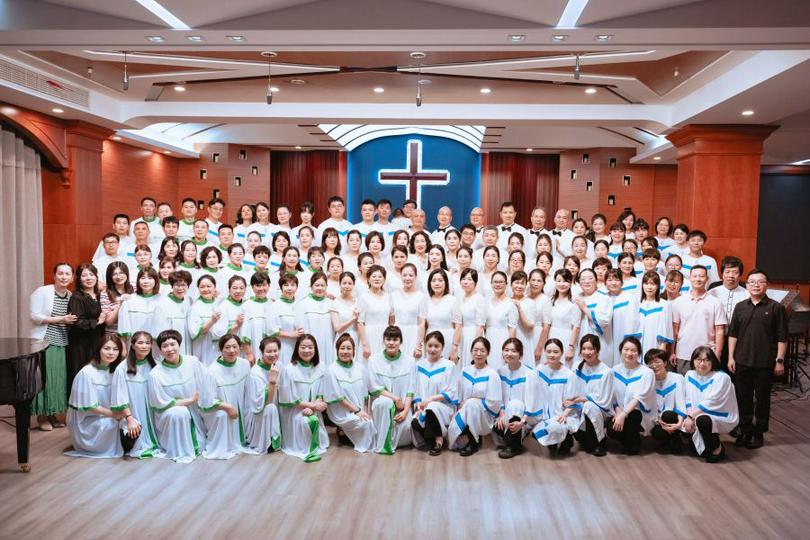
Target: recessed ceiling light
<point>517,38</point>
<point>166,152</point>
<point>58,111</point>
<point>379,89</point>
<point>748,112</point>
<point>604,37</point>
<point>179,88</point>
<point>237,39</point>
<point>559,37</point>
<point>156,39</point>
<point>116,138</point>
<point>590,90</point>
<point>423,82</point>
<point>274,89</point>
<point>298,147</point>
<point>195,39</point>
<point>298,81</point>
<point>486,90</point>
<point>530,149</point>
<point>657,158</point>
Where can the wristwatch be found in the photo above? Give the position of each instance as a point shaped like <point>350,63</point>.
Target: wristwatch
<point>780,360</point>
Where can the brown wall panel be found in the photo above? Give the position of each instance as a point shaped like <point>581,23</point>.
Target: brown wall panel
<point>528,180</point>
<point>573,192</point>
<point>296,177</point>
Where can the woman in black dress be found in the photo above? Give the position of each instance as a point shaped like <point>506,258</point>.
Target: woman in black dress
<point>88,329</point>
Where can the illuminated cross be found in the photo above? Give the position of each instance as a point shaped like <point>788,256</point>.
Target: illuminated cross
<point>413,177</point>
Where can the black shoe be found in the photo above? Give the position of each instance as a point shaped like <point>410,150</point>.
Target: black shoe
<point>436,450</point>
<point>743,439</point>
<point>676,444</point>
<point>468,450</point>
<point>736,432</point>
<point>600,450</point>
<point>757,441</point>
<point>716,458</point>
<point>343,439</point>
<point>565,446</point>
<point>633,447</point>
<point>553,450</point>
<point>509,452</point>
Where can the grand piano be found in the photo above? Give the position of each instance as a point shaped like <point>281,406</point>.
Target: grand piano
<point>22,368</point>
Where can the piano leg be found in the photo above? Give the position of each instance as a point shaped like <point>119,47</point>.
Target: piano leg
<point>22,413</point>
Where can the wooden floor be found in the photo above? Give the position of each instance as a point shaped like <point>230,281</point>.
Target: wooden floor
<point>754,494</point>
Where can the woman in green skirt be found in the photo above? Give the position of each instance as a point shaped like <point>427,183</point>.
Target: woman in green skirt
<point>49,313</point>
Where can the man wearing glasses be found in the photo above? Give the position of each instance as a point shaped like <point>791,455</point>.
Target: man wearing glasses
<point>757,341</point>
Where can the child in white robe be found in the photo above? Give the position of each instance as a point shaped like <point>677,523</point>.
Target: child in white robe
<point>350,409</point>
<point>391,372</point>
<point>434,401</point>
<point>262,425</point>
<point>480,399</point>
<point>594,389</point>
<point>302,394</point>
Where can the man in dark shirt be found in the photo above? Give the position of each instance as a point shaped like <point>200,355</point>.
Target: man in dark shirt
<point>757,342</point>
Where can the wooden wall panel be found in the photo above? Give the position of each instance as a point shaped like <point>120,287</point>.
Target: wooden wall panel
<point>639,195</point>
<point>189,183</point>
<point>528,180</point>
<point>573,192</point>
<point>253,188</point>
<point>666,181</point>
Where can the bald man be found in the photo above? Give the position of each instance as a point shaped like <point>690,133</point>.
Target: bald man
<point>445,219</point>
<point>538,220</point>
<point>561,235</point>
<point>477,219</point>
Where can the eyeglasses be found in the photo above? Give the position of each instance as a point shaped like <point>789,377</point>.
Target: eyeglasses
<point>757,282</point>
<point>702,361</point>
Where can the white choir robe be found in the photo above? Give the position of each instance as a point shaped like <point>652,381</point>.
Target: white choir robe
<point>130,391</point>
<point>92,434</point>
<point>156,233</point>
<point>505,232</point>
<point>637,383</point>
<point>171,313</point>
<point>502,318</point>
<point>655,326</point>
<point>303,436</point>
<point>704,260</point>
<point>262,425</point>
<point>261,321</point>
<point>555,387</point>
<point>480,399</point>
<point>478,262</point>
<point>374,313</point>
<point>713,395</point>
<point>287,321</point>
<point>136,314</point>
<point>441,314</point>
<point>625,321</point>
<point>353,385</point>
<point>565,316</point>
<point>473,310</point>
<point>205,346</point>
<point>314,315</point>
<point>670,394</point>
<point>225,438</point>
<point>345,311</point>
<point>433,379</point>
<point>515,394</point>
<point>229,270</point>
<point>342,227</point>
<point>180,430</point>
<point>526,335</point>
<point>595,383</point>
<point>102,261</point>
<point>405,307</point>
<point>230,310</point>
<point>599,323</point>
<point>437,236</point>
<point>542,311</point>
<point>396,376</point>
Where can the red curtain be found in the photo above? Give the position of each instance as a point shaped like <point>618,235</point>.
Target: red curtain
<point>296,177</point>
<point>528,180</point>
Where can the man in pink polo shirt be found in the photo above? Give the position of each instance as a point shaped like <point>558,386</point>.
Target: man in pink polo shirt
<point>698,318</point>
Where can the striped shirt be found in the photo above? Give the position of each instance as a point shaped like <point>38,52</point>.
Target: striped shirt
<point>57,334</point>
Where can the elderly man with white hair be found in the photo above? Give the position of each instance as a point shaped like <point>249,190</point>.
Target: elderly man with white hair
<point>445,219</point>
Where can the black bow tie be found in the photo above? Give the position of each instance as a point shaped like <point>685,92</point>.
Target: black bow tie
<point>505,228</point>
<point>441,230</point>
<point>556,233</point>
<point>536,233</point>
<point>479,229</point>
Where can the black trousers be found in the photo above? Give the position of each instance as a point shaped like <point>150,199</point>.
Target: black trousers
<point>753,387</point>
<point>630,434</point>
<point>672,440</point>
<point>512,440</point>
<point>712,440</point>
<point>433,428</point>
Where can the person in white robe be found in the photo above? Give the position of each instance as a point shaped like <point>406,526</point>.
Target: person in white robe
<point>130,392</point>
<point>406,303</point>
<point>302,399</point>
<point>670,394</point>
<point>711,404</point>
<point>502,318</point>
<point>527,316</point>
<point>206,323</point>
<point>515,417</point>
<point>479,401</point>
<point>473,310</point>
<point>635,408</point>
<point>91,422</point>
<point>440,311</point>
<point>625,320</point>
<point>655,320</point>
<point>290,328</point>
<point>597,314</point>
<point>434,390</point>
<point>391,371</point>
<point>171,312</point>
<point>375,313</point>
<point>566,317</point>
<point>228,377</point>
<point>594,393</point>
<point>350,410</point>
<point>314,315</point>
<point>558,388</point>
<point>137,311</point>
<point>261,319</point>
<point>262,425</point>
<point>346,311</point>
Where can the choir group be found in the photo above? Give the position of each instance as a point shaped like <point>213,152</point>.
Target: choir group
<point>189,337</point>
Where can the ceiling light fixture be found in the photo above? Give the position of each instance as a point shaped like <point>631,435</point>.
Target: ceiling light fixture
<point>677,72</point>
<point>195,39</point>
<point>166,152</point>
<point>748,112</point>
<point>58,110</point>
<point>577,68</point>
<point>418,56</point>
<point>298,81</point>
<point>657,158</point>
<point>603,37</point>
<point>269,95</point>
<point>486,90</point>
<point>559,37</point>
<point>571,13</point>
<point>379,89</point>
<point>298,147</point>
<point>517,38</point>
<point>801,162</point>
<point>423,82</point>
<point>530,149</point>
<point>590,90</point>
<point>126,75</point>
<point>164,14</point>
<point>116,138</point>
<point>156,39</point>
<point>179,88</point>
<point>237,39</point>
